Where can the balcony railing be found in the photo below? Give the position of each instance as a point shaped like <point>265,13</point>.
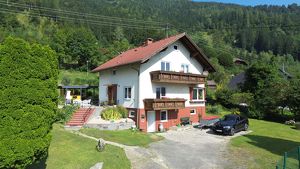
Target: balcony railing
<point>164,104</point>
<point>177,77</point>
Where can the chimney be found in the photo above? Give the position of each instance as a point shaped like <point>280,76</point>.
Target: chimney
<point>148,41</point>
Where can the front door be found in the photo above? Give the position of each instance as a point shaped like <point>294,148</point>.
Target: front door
<point>151,121</point>
<point>112,94</point>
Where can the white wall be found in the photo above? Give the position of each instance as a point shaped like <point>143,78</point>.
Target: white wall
<point>176,58</point>
<point>125,76</point>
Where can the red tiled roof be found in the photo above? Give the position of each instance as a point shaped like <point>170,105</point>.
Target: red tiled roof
<point>139,54</point>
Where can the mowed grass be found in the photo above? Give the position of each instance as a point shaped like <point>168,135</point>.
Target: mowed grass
<point>71,151</point>
<point>126,137</point>
<point>264,147</point>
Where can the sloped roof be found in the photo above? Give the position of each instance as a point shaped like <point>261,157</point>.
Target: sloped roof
<point>142,53</point>
<point>237,81</point>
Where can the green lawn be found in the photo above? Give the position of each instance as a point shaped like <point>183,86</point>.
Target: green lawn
<point>71,151</point>
<point>77,77</point>
<point>127,137</point>
<point>265,145</point>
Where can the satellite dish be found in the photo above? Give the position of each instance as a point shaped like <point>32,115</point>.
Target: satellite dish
<point>205,73</point>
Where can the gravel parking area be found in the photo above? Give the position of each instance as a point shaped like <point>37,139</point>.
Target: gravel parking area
<point>190,149</point>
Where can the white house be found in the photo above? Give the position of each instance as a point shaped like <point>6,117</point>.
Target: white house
<point>160,83</point>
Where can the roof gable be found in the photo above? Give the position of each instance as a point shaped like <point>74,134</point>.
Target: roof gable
<point>145,52</point>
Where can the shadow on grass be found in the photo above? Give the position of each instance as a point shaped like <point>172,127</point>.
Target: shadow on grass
<point>274,145</point>
<point>41,164</point>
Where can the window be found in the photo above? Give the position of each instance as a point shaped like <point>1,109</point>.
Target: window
<point>198,94</point>
<point>193,111</point>
<point>114,72</point>
<point>165,66</point>
<point>175,47</point>
<point>127,92</point>
<point>163,115</point>
<point>185,68</point>
<point>131,113</point>
<point>160,92</point>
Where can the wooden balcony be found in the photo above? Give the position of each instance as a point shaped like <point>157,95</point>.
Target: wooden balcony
<point>177,77</point>
<point>164,104</point>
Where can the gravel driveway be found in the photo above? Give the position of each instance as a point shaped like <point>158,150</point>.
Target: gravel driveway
<point>192,149</point>
<point>189,148</point>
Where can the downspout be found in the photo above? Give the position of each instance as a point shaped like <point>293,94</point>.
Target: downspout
<point>138,96</point>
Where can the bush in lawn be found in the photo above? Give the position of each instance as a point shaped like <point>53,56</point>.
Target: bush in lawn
<point>28,101</point>
<point>111,114</point>
<point>66,113</point>
<point>123,111</point>
<point>216,109</point>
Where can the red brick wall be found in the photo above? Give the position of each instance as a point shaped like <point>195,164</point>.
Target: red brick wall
<point>173,117</point>
<point>142,120</point>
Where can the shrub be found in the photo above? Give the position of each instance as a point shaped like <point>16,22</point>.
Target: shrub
<point>110,114</point>
<point>214,109</point>
<point>123,111</point>
<point>66,113</point>
<point>256,114</point>
<point>28,101</point>
<point>223,97</point>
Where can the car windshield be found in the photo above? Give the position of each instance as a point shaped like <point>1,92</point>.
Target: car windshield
<point>229,118</point>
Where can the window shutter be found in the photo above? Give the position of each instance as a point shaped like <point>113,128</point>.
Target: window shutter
<point>191,93</point>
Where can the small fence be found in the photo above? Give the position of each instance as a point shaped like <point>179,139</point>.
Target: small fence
<point>291,160</point>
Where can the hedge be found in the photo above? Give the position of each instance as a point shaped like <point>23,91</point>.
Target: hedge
<point>28,101</point>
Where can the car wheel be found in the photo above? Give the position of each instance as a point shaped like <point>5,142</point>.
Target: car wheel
<point>231,133</point>
<point>245,127</point>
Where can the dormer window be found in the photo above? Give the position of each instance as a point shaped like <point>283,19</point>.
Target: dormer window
<point>165,66</point>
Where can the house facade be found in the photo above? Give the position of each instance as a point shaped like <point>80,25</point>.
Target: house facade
<point>159,82</point>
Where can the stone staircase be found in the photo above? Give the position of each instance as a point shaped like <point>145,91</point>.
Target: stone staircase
<point>80,117</point>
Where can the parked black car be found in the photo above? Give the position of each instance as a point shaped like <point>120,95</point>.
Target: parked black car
<point>231,124</point>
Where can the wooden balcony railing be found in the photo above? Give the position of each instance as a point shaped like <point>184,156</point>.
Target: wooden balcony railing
<point>164,104</point>
<point>177,77</point>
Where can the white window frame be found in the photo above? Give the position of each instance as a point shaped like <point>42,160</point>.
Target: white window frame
<point>165,63</point>
<point>127,94</point>
<point>195,111</point>
<point>166,116</point>
<point>130,113</point>
<point>197,94</point>
<point>185,68</point>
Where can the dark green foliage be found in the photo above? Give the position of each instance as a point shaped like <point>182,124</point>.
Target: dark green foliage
<point>270,91</point>
<point>223,96</point>
<point>238,98</point>
<point>293,97</point>
<point>81,46</point>
<point>215,109</point>
<point>28,101</point>
<point>225,59</point>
